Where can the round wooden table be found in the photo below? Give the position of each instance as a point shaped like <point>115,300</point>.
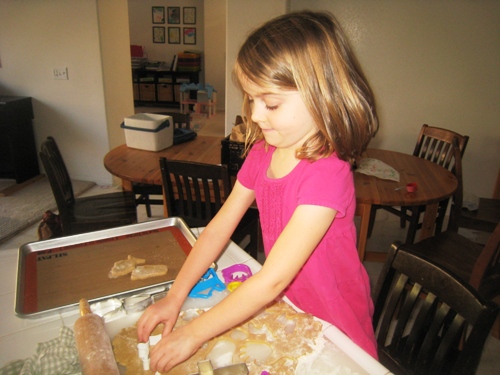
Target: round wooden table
<point>133,165</point>
<point>434,182</point>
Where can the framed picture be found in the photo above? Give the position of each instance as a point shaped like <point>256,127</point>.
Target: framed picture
<point>174,35</point>
<point>174,15</point>
<point>189,35</point>
<point>158,34</point>
<point>158,14</point>
<point>189,15</point>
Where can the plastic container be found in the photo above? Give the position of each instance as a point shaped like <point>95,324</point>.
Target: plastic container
<point>149,132</point>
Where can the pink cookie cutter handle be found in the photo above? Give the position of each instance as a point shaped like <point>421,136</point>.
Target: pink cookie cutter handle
<point>236,272</point>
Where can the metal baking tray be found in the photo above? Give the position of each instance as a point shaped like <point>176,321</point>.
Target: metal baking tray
<point>53,275</point>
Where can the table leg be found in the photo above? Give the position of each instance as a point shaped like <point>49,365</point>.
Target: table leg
<point>126,185</point>
<point>429,222</point>
<point>363,210</point>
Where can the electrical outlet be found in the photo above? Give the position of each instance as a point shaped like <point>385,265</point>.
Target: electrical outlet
<point>60,73</point>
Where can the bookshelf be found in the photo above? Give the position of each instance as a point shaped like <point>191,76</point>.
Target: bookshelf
<point>160,87</point>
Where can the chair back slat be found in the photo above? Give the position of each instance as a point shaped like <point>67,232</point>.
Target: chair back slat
<point>435,144</point>
<point>57,175</point>
<point>194,191</point>
<point>427,320</point>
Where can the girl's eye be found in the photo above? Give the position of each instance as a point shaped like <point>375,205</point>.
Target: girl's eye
<point>271,107</point>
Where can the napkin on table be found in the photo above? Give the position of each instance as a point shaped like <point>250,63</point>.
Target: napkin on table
<point>377,168</point>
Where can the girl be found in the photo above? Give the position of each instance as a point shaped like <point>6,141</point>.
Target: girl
<point>310,113</point>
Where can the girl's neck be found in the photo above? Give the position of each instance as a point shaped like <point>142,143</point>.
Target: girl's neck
<point>282,163</point>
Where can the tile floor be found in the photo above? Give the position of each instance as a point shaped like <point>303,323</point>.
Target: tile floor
<point>385,232</point>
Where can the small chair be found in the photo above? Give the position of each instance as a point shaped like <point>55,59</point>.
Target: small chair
<point>80,215</point>
<point>427,320</point>
<point>181,120</point>
<point>436,145</point>
<point>196,191</point>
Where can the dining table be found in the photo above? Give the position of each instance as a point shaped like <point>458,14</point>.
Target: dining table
<point>24,337</point>
<point>434,183</point>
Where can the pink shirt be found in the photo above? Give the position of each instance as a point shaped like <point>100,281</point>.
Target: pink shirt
<point>333,284</point>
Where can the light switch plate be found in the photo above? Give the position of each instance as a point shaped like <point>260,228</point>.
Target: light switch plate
<point>60,73</point>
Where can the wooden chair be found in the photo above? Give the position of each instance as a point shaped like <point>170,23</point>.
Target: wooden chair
<point>196,191</point>
<point>487,215</point>
<point>427,320</point>
<point>477,265</point>
<point>436,145</point>
<point>80,215</point>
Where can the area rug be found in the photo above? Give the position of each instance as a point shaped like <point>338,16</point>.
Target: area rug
<point>26,206</point>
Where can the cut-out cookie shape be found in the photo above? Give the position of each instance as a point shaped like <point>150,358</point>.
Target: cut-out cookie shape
<point>257,351</point>
<point>222,353</point>
<point>239,334</point>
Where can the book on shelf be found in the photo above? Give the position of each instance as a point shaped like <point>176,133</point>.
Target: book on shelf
<point>173,66</point>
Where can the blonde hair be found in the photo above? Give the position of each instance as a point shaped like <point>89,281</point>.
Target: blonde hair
<point>307,51</point>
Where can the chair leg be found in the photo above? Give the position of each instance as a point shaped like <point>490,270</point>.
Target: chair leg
<point>371,224</point>
<point>443,205</point>
<point>148,206</point>
<point>495,331</point>
<point>412,228</point>
<point>402,220</point>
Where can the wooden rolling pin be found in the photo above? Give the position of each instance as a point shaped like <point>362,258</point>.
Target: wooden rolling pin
<point>93,344</point>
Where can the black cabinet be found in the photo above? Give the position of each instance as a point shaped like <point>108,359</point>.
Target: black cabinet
<point>160,87</point>
<point>18,154</point>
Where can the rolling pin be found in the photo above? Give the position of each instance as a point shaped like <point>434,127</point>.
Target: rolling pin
<point>92,342</point>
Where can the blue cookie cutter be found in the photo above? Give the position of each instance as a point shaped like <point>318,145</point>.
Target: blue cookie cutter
<point>207,284</point>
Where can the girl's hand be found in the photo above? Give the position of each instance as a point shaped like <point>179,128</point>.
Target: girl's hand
<point>174,348</point>
<point>161,312</point>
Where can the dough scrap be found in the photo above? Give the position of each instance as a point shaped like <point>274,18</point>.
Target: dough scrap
<point>148,270</point>
<point>125,266</point>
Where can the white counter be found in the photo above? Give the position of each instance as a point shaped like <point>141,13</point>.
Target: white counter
<point>19,337</point>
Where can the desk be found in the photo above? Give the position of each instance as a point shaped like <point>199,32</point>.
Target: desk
<point>19,337</point>
<point>434,182</point>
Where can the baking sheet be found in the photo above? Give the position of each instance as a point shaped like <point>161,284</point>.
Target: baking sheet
<point>55,274</point>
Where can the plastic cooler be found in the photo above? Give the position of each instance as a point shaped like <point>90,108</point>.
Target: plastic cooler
<point>146,131</point>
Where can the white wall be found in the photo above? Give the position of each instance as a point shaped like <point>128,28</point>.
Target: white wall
<point>37,36</point>
<point>215,48</point>
<point>243,17</point>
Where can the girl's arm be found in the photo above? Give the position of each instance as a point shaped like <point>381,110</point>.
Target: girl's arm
<point>290,252</point>
<point>207,248</point>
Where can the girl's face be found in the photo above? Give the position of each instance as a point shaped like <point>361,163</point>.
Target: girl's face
<point>282,116</point>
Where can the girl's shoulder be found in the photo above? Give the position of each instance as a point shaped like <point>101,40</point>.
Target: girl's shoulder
<point>330,163</point>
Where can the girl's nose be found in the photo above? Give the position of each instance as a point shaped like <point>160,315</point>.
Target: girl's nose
<point>256,112</point>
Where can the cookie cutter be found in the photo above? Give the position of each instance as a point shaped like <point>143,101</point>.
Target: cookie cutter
<point>136,303</point>
<point>236,272</point>
<point>207,284</point>
<point>205,368</point>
